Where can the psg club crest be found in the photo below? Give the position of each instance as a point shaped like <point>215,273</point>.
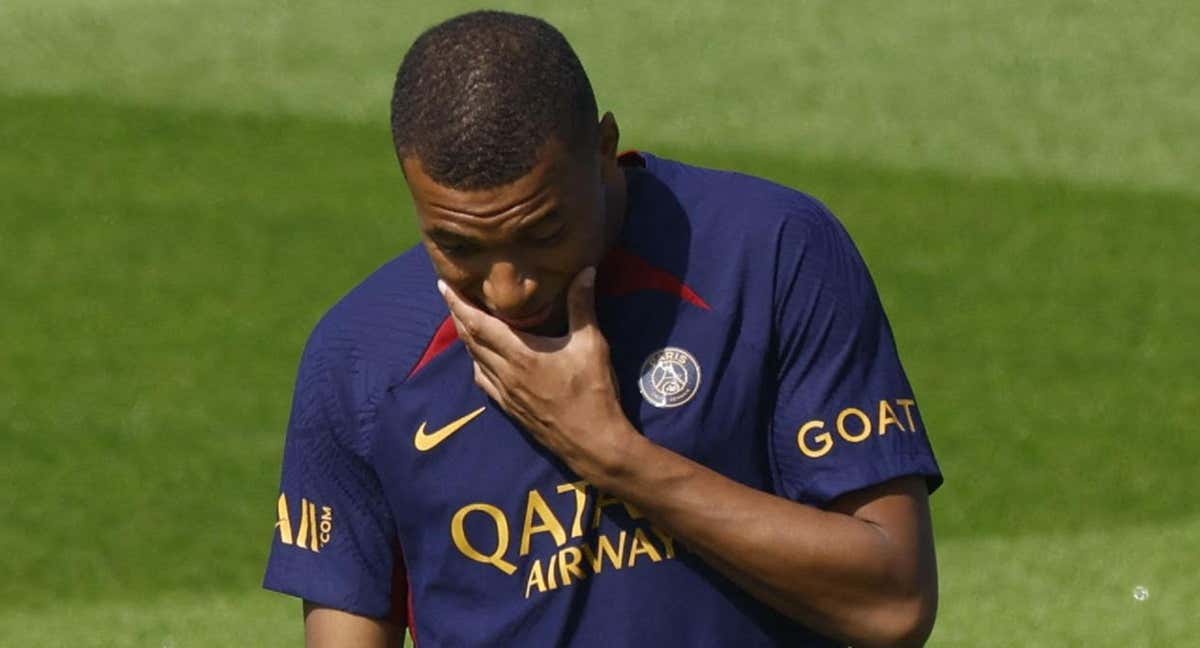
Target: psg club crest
<point>670,377</point>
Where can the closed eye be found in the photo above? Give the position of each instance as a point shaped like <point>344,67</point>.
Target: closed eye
<point>456,248</point>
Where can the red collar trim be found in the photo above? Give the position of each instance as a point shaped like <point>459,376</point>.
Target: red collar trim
<point>445,335</point>
<point>624,272</point>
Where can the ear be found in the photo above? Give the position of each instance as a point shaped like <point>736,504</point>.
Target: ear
<point>610,137</point>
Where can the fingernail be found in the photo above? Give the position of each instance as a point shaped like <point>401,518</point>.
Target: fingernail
<point>441,286</point>
<point>589,277</point>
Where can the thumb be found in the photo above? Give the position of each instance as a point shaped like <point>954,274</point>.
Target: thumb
<point>581,300</point>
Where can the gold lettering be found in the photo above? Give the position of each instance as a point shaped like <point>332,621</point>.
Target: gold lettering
<point>824,438</point>
<point>604,499</point>
<point>535,579</point>
<point>284,522</point>
<point>458,533</point>
<point>568,565</point>
<point>667,541</point>
<point>887,416</point>
<point>605,548</point>
<point>326,524</point>
<point>535,505</point>
<point>907,404</point>
<point>641,545</point>
<point>314,538</point>
<point>302,536</point>
<point>580,488</point>
<point>860,415</point>
<point>551,582</point>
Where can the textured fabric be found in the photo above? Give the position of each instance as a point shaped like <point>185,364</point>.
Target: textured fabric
<point>746,334</point>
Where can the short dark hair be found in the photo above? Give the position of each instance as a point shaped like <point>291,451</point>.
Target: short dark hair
<point>477,97</point>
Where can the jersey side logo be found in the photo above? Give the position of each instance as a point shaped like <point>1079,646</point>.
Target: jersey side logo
<point>316,530</point>
<point>427,441</point>
<point>670,377</point>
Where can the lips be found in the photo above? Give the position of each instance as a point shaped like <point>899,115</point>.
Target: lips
<point>528,321</point>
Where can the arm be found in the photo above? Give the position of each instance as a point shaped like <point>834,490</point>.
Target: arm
<point>334,543</point>
<point>329,628</point>
<point>862,571</point>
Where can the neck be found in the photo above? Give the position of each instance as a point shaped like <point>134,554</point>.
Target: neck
<point>618,207</point>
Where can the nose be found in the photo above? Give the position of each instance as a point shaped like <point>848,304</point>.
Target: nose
<point>507,288</point>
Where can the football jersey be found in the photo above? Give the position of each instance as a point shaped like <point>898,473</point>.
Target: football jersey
<point>745,334</point>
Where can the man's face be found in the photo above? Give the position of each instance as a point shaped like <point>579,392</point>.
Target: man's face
<point>513,250</point>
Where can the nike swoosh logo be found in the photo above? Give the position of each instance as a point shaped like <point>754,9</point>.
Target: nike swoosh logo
<point>426,442</point>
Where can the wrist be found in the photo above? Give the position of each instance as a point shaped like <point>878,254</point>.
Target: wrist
<point>614,453</point>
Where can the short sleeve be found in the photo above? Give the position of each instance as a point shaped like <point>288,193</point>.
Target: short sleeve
<point>334,540</point>
<point>845,416</point>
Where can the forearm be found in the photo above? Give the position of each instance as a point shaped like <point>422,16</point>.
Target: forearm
<point>835,573</point>
<point>329,628</point>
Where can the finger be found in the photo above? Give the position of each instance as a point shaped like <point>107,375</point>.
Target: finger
<point>492,362</point>
<point>486,383</point>
<point>480,353</point>
<point>462,312</point>
<point>473,324</point>
<point>581,300</point>
<point>483,373</point>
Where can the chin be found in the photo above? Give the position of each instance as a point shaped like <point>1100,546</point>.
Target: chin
<point>553,327</point>
<point>556,325</point>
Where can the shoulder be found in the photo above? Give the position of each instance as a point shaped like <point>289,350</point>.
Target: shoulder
<point>759,230</point>
<point>736,199</point>
<point>730,212</point>
<point>382,324</point>
<point>368,341</point>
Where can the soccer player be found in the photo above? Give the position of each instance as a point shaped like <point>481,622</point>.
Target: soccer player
<point>611,400</point>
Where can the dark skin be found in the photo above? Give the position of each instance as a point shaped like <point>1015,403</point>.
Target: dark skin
<point>513,251</point>
<point>519,285</point>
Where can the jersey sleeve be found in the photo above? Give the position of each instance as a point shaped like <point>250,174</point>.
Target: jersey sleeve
<point>334,540</point>
<point>845,416</point>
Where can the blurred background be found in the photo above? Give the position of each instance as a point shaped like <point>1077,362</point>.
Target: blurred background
<point>185,187</point>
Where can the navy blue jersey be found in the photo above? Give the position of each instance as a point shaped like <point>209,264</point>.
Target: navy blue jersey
<point>746,334</point>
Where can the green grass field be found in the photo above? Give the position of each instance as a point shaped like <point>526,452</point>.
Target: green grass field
<point>185,187</point>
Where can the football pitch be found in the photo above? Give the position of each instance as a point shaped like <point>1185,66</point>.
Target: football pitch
<point>185,187</point>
